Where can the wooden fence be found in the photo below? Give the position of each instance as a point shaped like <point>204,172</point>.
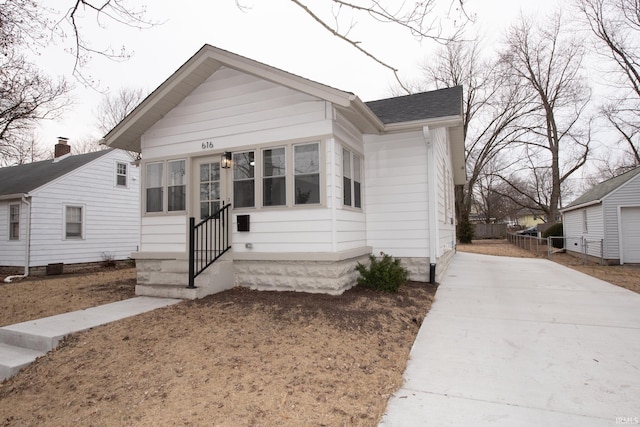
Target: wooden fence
<point>490,231</point>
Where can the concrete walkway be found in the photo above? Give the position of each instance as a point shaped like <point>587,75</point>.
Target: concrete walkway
<point>522,342</point>
<point>22,343</point>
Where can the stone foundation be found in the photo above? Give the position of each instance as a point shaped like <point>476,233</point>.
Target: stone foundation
<point>418,268</point>
<point>328,277</point>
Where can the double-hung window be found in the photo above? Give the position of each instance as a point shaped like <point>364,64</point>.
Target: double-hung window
<point>176,186</point>
<point>244,183</point>
<point>274,182</point>
<point>121,174</point>
<point>14,222</point>
<point>306,164</point>
<point>173,185</point>
<point>351,179</point>
<point>73,222</point>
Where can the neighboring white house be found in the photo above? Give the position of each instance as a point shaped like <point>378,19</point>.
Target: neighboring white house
<point>71,210</point>
<point>608,213</point>
<point>317,180</point>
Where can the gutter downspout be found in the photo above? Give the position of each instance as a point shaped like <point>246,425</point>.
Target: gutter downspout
<point>27,243</point>
<point>432,205</point>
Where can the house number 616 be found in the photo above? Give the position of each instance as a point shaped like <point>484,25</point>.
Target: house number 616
<point>207,145</point>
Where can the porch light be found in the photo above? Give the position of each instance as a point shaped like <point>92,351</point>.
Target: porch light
<point>226,160</point>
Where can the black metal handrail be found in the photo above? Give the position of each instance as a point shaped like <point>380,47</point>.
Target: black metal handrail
<point>208,241</point>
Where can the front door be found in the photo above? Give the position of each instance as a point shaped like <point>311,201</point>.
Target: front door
<point>209,188</point>
<point>209,195</point>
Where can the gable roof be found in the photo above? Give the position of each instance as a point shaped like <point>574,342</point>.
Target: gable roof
<point>420,106</point>
<point>205,62</point>
<point>597,193</point>
<point>21,179</point>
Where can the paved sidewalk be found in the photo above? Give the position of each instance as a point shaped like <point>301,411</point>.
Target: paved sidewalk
<point>22,343</point>
<point>522,342</point>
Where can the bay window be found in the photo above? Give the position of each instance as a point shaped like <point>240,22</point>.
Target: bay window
<point>351,179</point>
<point>274,188</point>
<point>244,185</point>
<point>306,173</point>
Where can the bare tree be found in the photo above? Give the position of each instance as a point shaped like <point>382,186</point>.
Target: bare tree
<point>36,24</point>
<point>26,96</point>
<point>492,107</point>
<point>616,27</point>
<point>114,107</point>
<point>556,137</point>
<point>422,19</point>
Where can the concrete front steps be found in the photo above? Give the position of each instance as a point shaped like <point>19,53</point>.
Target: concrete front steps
<point>172,280</point>
<point>22,343</point>
<point>13,358</point>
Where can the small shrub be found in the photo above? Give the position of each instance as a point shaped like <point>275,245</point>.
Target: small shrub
<point>384,274</point>
<point>556,230</point>
<point>466,231</point>
<point>108,260</point>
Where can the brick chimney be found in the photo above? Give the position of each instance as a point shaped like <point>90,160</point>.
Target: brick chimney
<point>61,148</point>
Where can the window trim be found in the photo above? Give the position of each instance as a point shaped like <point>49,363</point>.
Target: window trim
<point>585,222</point>
<point>256,173</point>
<point>319,173</point>
<point>352,179</point>
<point>65,208</point>
<point>165,187</point>
<point>126,174</point>
<point>284,176</point>
<point>11,236</point>
<point>289,176</point>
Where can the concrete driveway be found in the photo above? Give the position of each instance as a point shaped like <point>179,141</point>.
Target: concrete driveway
<point>523,342</point>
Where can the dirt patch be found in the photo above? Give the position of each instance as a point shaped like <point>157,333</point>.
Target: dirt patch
<point>43,296</point>
<point>238,358</point>
<point>626,276</point>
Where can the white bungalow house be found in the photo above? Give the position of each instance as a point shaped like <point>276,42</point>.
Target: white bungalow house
<point>71,210</point>
<point>311,179</point>
<point>605,221</point>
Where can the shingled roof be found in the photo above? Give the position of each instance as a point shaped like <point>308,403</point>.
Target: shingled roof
<point>25,178</point>
<point>419,106</point>
<point>601,190</point>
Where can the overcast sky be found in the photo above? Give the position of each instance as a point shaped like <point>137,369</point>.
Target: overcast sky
<point>274,32</point>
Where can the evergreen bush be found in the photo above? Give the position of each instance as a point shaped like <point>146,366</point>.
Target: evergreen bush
<point>383,274</point>
<point>556,230</point>
<point>466,231</point>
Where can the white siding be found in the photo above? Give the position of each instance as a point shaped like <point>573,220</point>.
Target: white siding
<point>626,195</point>
<point>12,252</point>
<point>164,233</point>
<point>444,193</point>
<point>232,109</point>
<point>111,214</point>
<point>235,112</point>
<point>396,194</point>
<point>350,227</point>
<point>285,230</point>
<point>577,238</point>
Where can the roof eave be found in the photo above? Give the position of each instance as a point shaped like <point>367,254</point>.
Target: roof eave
<point>14,196</point>
<point>435,122</point>
<point>581,205</point>
<point>193,73</point>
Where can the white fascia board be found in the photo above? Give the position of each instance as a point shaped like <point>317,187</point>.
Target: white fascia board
<point>580,206</point>
<point>151,101</point>
<point>281,77</point>
<point>437,122</point>
<point>14,196</point>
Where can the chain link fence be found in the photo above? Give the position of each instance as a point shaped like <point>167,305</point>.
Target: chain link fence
<point>541,246</point>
